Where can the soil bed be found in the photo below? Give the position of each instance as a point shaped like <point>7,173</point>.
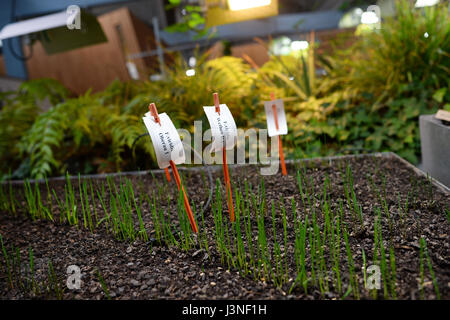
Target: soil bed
<point>389,200</point>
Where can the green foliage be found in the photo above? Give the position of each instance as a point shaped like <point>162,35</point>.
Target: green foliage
<point>390,77</point>
<point>368,100</point>
<point>43,88</point>
<point>18,113</point>
<point>95,132</point>
<point>78,128</point>
<point>84,134</point>
<point>373,92</point>
<point>183,97</point>
<point>193,19</point>
<point>15,119</point>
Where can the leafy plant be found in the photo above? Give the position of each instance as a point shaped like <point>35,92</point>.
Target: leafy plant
<point>76,128</point>
<point>391,76</point>
<point>193,19</point>
<point>368,100</point>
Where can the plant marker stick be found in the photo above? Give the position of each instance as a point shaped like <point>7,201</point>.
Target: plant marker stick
<point>166,170</point>
<point>280,146</point>
<point>154,113</point>
<point>186,202</point>
<point>225,166</point>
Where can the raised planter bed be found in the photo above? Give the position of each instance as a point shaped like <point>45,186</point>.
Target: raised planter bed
<point>435,144</point>
<point>324,225</point>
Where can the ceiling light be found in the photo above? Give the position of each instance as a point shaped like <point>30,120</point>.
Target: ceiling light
<point>235,5</point>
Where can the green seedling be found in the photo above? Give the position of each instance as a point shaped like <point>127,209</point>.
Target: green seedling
<point>103,285</point>
<point>53,283</point>
<point>7,263</point>
<point>424,252</point>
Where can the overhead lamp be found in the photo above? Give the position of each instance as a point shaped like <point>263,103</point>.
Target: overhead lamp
<point>59,32</point>
<point>236,5</point>
<point>47,22</point>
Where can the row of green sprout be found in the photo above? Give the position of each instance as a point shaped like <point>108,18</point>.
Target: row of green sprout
<point>253,244</point>
<point>116,207</point>
<point>80,206</point>
<point>21,274</point>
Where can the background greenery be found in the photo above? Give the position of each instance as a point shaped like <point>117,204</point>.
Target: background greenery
<point>368,100</point>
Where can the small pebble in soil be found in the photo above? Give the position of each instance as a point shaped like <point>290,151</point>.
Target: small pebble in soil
<point>135,282</point>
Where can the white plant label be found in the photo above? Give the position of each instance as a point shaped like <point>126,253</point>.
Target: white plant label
<point>166,140</point>
<point>223,127</point>
<point>281,117</point>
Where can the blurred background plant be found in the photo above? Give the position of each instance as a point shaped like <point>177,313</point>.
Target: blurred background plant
<point>362,99</point>
<point>19,110</point>
<point>392,75</point>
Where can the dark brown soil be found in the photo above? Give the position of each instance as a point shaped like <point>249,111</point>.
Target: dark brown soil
<point>141,270</point>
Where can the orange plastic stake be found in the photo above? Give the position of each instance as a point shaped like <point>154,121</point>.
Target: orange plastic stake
<point>280,145</point>
<point>186,202</point>
<point>228,185</point>
<point>226,174</point>
<point>166,170</point>
<point>274,110</point>
<point>280,150</point>
<point>154,113</point>
<point>216,102</point>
